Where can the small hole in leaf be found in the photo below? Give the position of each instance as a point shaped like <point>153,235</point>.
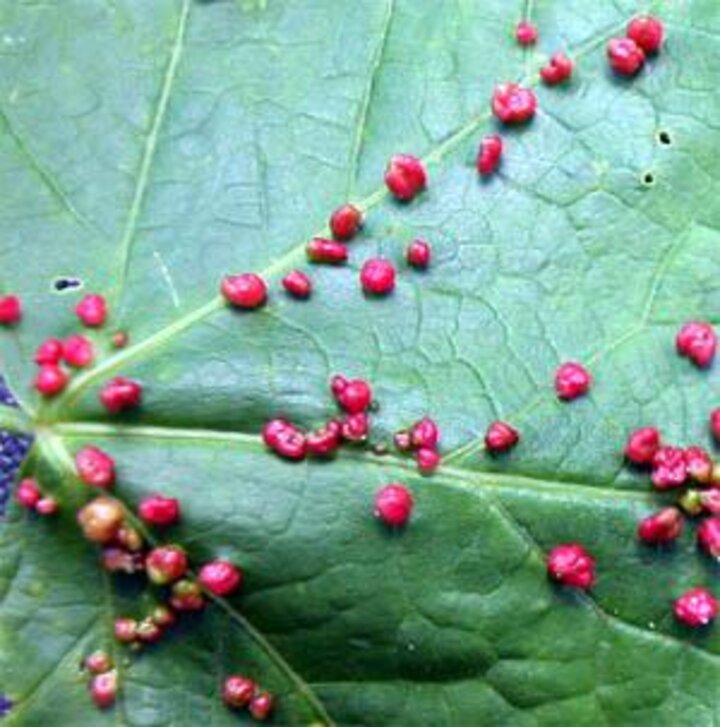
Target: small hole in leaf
<point>664,138</point>
<point>648,179</point>
<point>63,284</point>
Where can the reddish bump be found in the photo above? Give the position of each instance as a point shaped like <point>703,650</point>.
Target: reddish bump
<point>526,33</point>
<point>661,527</point>
<point>647,31</point>
<point>669,468</point>
<point>49,352</point>
<point>513,104</point>
<point>221,577</point>
<point>489,155</point>
<point>10,310</point>
<point>626,57</point>
<point>393,505</point>
<point>405,177</point>
<point>92,310</point>
<point>696,608</point>
<point>428,460</point>
<point>697,341</point>
<point>320,250</point>
<point>557,70</point>
<point>572,380</point>
<point>120,394</point>
<point>159,510</point>
<point>78,351</point>
<point>418,254</point>
<point>377,276</point>
<point>51,380</point>
<point>500,437</point>
<point>571,565</point>
<point>345,222</point>
<point>298,284</point>
<point>246,291</point>
<point>642,445</point>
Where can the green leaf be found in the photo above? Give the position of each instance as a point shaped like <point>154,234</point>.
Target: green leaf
<point>147,148</point>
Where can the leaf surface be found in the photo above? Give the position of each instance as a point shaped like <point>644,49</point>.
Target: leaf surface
<point>148,148</point>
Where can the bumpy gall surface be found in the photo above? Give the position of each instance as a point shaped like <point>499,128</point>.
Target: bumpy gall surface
<point>356,427</point>
<point>166,564</point>
<point>119,339</point>
<point>709,501</point>
<point>272,430</point>
<point>489,154</point>
<point>238,691</point>
<point>513,104</point>
<point>428,460</point>
<point>49,352</point>
<point>698,464</point>
<point>405,177</point>
<point>571,565</point>
<point>98,662</point>
<point>403,441</point>
<point>28,493</point>
<point>500,437</point>
<point>291,443</point>
<point>642,445</point>
<point>418,254</point>
<point>557,70</point>
<point>47,506</point>
<point>120,394</point>
<point>425,433</point>
<point>626,57</point>
<point>159,510</point>
<point>697,341</point>
<point>245,290</point>
<point>345,222</point>
<point>297,284</point>
<point>647,31</point>
<point>696,607</point>
<point>100,519</point>
<point>187,596</point>
<point>664,526</point>
<point>220,577</point>
<point>261,706</point>
<point>95,467</point>
<point>324,441</point>
<point>708,536</point>
<point>393,505</point>
<point>353,396</point>
<point>92,310</point>
<point>332,252</point>
<point>78,351</point>
<point>103,689</point>
<point>526,33</point>
<point>148,632</point>
<point>125,630</point>
<point>377,276</point>
<point>669,468</point>
<point>10,310</point>
<point>572,380</point>
<point>51,380</point>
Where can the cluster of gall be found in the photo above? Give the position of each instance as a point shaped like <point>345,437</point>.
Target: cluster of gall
<point>240,692</point>
<point>103,682</point>
<point>422,440</point>
<point>354,396</point>
<point>643,37</point>
<point>30,496</point>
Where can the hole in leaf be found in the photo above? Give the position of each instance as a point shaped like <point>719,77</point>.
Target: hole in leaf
<point>64,283</point>
<point>648,179</point>
<point>664,138</point>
